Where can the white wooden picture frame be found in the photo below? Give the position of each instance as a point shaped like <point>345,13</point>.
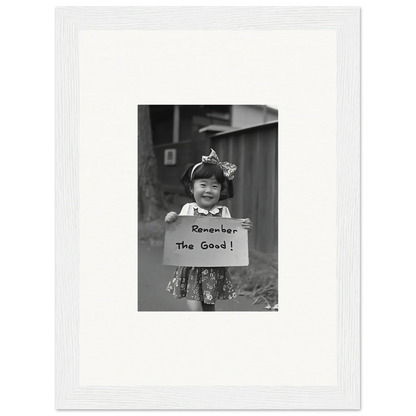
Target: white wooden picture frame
<point>308,59</point>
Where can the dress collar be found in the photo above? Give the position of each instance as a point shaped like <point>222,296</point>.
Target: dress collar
<point>214,210</point>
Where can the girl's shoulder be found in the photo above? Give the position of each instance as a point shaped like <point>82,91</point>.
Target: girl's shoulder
<point>225,212</point>
<point>187,209</point>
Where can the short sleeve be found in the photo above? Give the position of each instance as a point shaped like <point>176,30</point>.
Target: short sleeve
<point>226,212</point>
<point>186,210</point>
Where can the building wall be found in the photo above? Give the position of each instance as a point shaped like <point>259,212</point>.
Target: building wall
<point>250,115</point>
<point>191,119</point>
<point>194,117</point>
<point>186,152</point>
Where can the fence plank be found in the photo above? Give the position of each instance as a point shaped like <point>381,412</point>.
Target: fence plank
<point>263,220</point>
<point>270,189</point>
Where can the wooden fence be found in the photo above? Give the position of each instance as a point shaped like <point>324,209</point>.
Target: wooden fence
<point>255,152</point>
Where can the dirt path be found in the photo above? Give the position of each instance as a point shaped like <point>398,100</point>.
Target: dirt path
<point>154,277</point>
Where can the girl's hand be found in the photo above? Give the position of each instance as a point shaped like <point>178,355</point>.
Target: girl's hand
<point>171,217</point>
<point>247,224</point>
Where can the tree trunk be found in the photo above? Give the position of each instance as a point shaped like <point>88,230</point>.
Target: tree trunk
<point>151,199</point>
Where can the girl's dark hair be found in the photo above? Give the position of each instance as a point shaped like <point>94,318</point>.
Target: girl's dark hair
<point>207,170</point>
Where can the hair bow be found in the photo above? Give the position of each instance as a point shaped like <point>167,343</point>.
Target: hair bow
<point>227,168</point>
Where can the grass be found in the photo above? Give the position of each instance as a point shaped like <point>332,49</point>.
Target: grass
<point>259,280</point>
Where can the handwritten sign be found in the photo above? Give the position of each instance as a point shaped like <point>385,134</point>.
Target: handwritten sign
<point>205,241</point>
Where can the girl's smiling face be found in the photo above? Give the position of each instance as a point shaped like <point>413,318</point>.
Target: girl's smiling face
<point>206,192</point>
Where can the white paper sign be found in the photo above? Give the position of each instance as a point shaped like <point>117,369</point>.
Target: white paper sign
<point>205,241</point>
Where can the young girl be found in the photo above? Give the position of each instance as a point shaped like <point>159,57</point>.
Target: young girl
<point>207,183</point>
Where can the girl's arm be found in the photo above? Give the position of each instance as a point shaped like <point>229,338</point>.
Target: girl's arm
<point>172,216</point>
<point>245,222</point>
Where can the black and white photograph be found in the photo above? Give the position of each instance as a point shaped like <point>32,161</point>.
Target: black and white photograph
<point>218,161</point>
<point>211,165</point>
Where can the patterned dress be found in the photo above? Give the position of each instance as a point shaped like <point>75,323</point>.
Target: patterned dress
<point>205,284</point>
